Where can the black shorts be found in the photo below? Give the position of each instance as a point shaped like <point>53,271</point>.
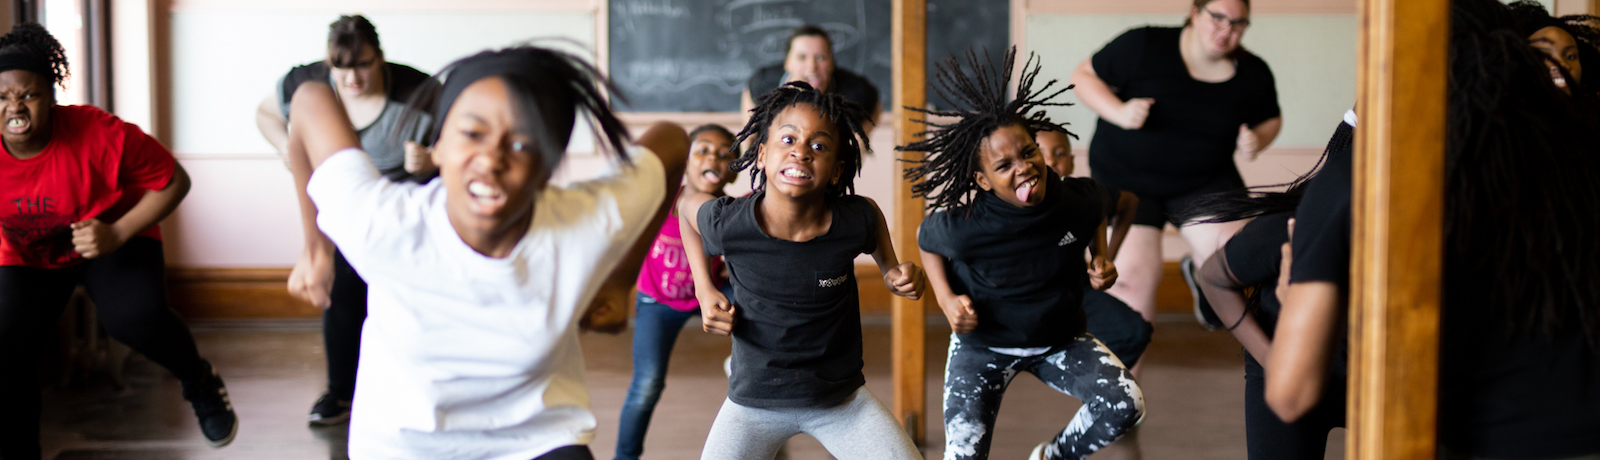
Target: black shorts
<point>1157,211</point>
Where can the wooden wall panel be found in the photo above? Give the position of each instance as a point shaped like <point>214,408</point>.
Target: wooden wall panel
<point>1397,229</point>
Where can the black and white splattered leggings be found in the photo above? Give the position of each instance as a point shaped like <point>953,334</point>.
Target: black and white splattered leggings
<point>976,377</point>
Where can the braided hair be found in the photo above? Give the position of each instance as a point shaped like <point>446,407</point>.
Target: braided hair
<point>845,116</point>
<point>1531,16</point>
<point>945,176</point>
<point>1260,200</point>
<point>32,40</point>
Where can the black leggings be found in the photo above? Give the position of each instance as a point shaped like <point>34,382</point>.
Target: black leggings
<point>128,287</point>
<point>1267,437</point>
<point>341,327</point>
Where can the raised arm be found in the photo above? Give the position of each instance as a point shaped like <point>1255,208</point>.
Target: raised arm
<point>716,312</point>
<point>609,310</point>
<point>319,128</point>
<point>1096,94</point>
<point>902,279</point>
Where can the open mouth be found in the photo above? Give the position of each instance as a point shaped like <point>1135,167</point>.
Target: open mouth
<point>795,175</point>
<point>711,176</point>
<point>17,125</point>
<point>1026,189</point>
<point>486,198</point>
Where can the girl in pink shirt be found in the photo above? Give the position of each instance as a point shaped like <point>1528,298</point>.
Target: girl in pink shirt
<point>666,290</point>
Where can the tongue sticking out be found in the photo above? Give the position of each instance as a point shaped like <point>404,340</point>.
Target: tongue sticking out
<point>1024,192</point>
<point>711,176</point>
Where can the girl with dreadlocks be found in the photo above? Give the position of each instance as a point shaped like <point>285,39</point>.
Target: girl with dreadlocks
<point>1240,281</point>
<point>477,280</point>
<point>790,248</point>
<point>82,193</point>
<point>1519,356</point>
<point>1004,252</point>
<point>1567,41</point>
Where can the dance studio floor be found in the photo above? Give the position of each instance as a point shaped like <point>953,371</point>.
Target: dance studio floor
<point>1193,386</point>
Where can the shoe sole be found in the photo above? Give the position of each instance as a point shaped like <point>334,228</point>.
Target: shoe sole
<point>1186,267</point>
<point>329,421</point>
<point>220,443</point>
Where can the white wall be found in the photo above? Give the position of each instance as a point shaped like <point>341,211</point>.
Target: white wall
<point>241,211</point>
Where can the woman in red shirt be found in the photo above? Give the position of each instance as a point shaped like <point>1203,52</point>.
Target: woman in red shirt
<point>81,192</point>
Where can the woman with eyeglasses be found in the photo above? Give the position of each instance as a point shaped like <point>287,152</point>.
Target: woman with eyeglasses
<point>1176,104</point>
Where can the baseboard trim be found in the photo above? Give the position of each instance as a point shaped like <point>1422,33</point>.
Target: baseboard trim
<point>262,293</point>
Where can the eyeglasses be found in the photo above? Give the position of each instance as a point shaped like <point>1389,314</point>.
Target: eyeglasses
<point>1222,19</point>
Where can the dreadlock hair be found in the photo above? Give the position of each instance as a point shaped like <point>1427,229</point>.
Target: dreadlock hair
<point>845,116</point>
<point>549,90</point>
<point>945,175</point>
<point>710,128</point>
<point>1520,181</point>
<point>32,40</point>
<point>1260,200</point>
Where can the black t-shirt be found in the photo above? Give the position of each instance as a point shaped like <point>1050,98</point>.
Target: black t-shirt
<point>797,328</point>
<point>1255,256</point>
<point>1321,241</point>
<point>847,84</point>
<point>1193,128</point>
<point>1023,267</point>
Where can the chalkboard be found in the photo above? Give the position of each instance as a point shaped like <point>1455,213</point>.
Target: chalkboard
<point>695,56</point>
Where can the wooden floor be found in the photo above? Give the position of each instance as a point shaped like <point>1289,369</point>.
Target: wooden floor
<point>1193,385</point>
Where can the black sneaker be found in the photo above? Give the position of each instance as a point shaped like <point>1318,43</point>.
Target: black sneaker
<point>210,400</point>
<point>1202,309</point>
<point>329,411</point>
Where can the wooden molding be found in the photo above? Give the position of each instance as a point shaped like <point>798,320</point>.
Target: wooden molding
<point>262,293</point>
<point>1179,9</point>
<point>1397,229</point>
<point>371,6</point>
<point>909,21</point>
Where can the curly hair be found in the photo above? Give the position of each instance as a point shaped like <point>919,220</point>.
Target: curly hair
<point>31,39</point>
<point>710,128</point>
<point>945,176</point>
<point>1531,16</point>
<point>846,117</point>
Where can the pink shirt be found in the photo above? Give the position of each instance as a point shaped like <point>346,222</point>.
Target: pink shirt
<point>666,276</point>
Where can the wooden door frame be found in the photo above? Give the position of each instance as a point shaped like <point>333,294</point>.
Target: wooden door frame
<point>909,329</point>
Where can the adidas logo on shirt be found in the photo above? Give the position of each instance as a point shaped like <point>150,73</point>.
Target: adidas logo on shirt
<point>1066,240</point>
<point>833,282</point>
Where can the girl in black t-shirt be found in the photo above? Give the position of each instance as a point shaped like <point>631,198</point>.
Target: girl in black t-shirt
<point>1004,254</point>
<point>1176,105</point>
<point>790,249</point>
<point>1519,345</point>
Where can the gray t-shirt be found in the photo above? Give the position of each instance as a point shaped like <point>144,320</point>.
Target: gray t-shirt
<point>385,148</point>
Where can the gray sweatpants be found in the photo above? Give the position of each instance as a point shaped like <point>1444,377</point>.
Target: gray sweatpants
<point>858,428</point>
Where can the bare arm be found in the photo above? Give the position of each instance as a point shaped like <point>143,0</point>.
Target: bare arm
<point>1252,141</point>
<point>957,308</point>
<point>320,128</point>
<point>1096,94</point>
<point>716,312</point>
<point>1127,208</point>
<point>1297,366</point>
<point>902,279</point>
<point>1227,298</point>
<point>609,310</point>
<point>92,238</point>
<point>274,127</point>
<point>1102,272</point>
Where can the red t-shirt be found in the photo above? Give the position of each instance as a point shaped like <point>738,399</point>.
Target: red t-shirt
<point>96,166</point>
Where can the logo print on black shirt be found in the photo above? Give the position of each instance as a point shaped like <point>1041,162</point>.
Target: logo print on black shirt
<point>1066,240</point>
<point>833,282</point>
